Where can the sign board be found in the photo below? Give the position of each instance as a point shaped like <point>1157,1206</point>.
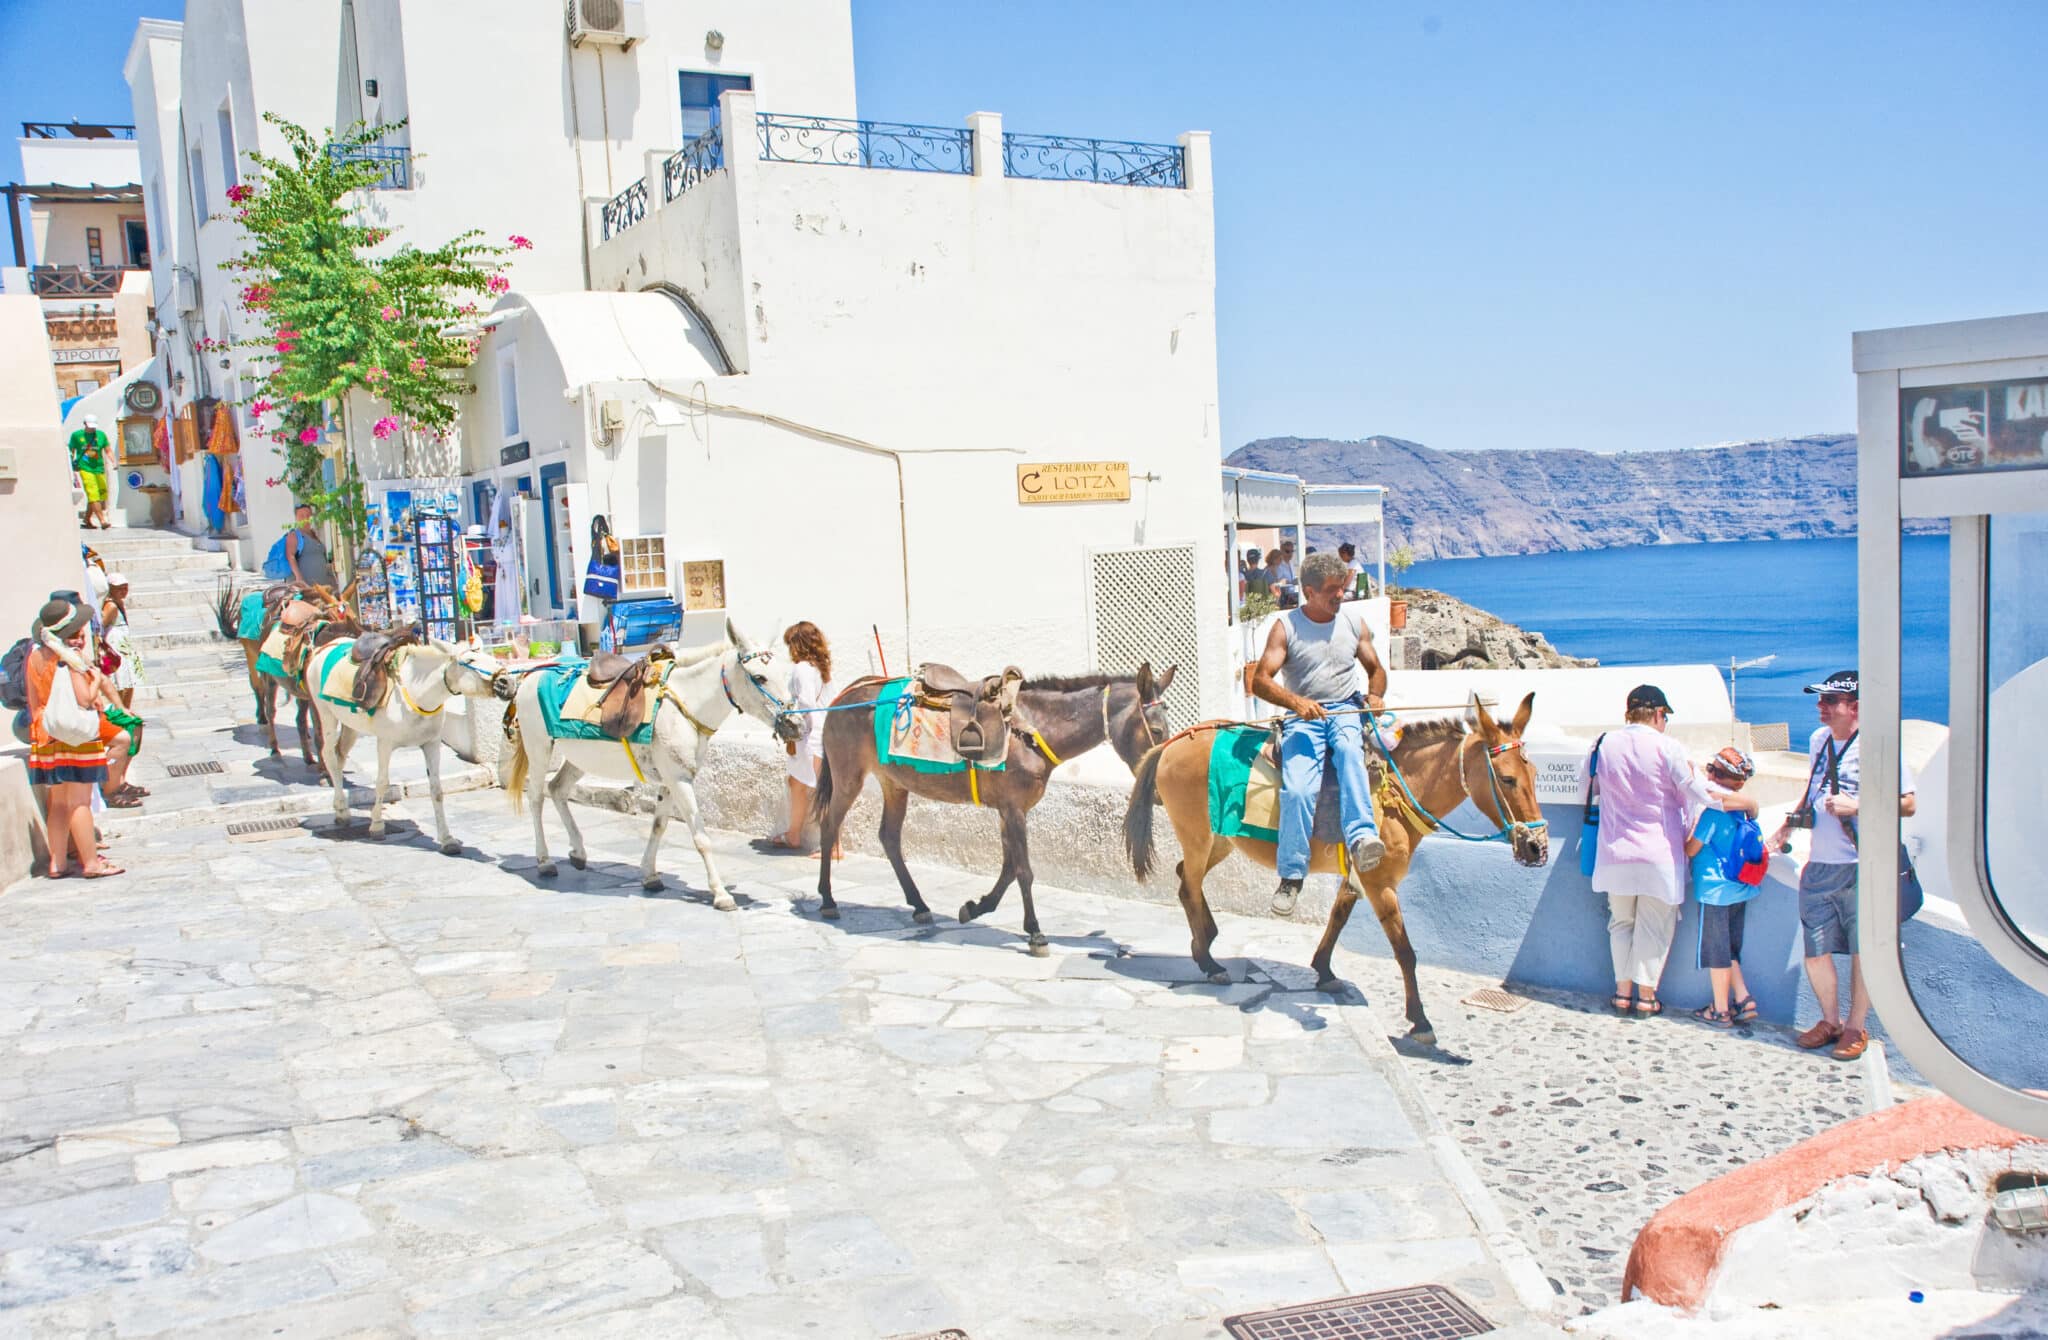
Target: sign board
<point>1074,481</point>
<point>515,453</point>
<point>85,356</point>
<point>1979,428</point>
<point>704,584</point>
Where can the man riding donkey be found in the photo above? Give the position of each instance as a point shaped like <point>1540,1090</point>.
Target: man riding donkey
<point>1317,650</point>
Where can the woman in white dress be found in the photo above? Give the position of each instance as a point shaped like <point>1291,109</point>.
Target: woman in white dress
<point>810,686</point>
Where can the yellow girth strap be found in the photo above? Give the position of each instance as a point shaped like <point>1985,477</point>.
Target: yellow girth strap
<point>974,784</point>
<point>1045,749</point>
<point>397,668</point>
<point>1392,802</point>
<point>633,762</point>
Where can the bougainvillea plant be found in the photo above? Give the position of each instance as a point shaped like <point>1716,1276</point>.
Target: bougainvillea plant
<point>335,316</point>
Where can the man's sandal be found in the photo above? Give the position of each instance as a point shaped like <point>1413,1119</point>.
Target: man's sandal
<point>1744,1010</point>
<point>1714,1018</point>
<point>1649,1009</point>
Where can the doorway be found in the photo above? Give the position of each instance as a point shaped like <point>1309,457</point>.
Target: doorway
<point>555,515</point>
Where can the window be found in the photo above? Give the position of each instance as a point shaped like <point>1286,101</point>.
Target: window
<point>508,393</point>
<point>95,255</point>
<point>135,241</point>
<point>700,99</point>
<point>198,169</point>
<point>230,169</point>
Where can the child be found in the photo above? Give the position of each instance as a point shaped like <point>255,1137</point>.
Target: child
<point>1723,901</point>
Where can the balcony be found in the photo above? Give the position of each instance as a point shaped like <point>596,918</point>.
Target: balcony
<point>78,281</point>
<point>75,130</point>
<point>1112,162</point>
<point>868,144</point>
<point>395,159</point>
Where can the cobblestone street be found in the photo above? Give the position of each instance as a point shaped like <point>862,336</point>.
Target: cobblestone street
<point>1583,1124</point>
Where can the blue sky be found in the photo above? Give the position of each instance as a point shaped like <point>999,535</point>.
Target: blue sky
<point>1614,226</point>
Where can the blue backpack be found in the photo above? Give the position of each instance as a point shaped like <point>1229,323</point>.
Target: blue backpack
<point>1746,860</point>
<point>276,566</point>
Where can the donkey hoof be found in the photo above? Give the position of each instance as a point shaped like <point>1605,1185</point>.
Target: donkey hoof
<point>651,883</point>
<point>579,860</point>
<point>1330,986</point>
<point>547,870</point>
<point>451,848</point>
<point>724,902</point>
<point>1037,947</point>
<point>1424,1037</point>
<point>922,916</point>
<point>377,831</point>
<point>1219,977</point>
<point>829,912</point>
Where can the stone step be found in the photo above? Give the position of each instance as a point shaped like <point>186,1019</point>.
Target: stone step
<point>183,637</point>
<point>300,801</point>
<point>141,544</point>
<point>149,566</point>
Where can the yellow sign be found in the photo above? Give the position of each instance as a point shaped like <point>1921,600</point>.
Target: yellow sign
<point>1074,481</point>
<point>704,585</point>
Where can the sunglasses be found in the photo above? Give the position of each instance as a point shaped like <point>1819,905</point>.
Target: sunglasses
<point>1835,699</point>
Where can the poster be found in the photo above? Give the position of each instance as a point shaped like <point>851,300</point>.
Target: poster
<point>704,585</point>
<point>1980,428</point>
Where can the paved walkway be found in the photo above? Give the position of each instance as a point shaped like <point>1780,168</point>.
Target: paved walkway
<point>315,1086</point>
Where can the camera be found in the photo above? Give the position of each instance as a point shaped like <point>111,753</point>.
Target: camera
<point>1799,819</point>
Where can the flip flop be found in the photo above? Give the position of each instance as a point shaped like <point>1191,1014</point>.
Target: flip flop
<point>104,872</point>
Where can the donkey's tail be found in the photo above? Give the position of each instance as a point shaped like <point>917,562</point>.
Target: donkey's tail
<point>1138,817</point>
<point>824,796</point>
<point>515,778</point>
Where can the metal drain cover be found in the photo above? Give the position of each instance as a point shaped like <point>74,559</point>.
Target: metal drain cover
<point>261,830</point>
<point>1426,1312</point>
<point>193,769</point>
<point>950,1333</point>
<point>1493,998</point>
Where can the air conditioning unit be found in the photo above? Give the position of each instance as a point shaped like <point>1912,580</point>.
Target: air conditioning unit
<point>611,23</point>
<point>188,291</point>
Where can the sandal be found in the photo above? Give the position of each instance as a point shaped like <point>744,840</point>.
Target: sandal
<point>1649,1008</point>
<point>124,800</point>
<point>1620,1004</point>
<point>102,871</point>
<point>1744,1010</point>
<point>1714,1018</point>
<point>130,789</point>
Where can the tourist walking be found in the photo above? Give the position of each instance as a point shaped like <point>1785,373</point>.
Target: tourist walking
<point>89,462</point>
<point>66,752</point>
<point>1827,886</point>
<point>1318,651</point>
<point>810,682</point>
<point>306,551</point>
<point>1723,901</point>
<point>1647,791</point>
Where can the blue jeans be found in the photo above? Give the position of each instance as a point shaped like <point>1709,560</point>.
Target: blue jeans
<point>1304,746</point>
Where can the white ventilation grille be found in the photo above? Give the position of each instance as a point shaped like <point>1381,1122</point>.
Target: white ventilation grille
<point>1144,610</point>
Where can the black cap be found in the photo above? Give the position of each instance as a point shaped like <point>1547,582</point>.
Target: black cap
<point>1843,682</point>
<point>1647,695</point>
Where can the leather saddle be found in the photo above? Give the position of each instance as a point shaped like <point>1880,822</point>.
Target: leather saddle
<point>626,681</point>
<point>372,654</point>
<point>978,711</point>
<point>301,639</point>
<point>1328,825</point>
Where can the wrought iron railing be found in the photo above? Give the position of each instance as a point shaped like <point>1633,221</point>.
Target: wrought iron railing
<point>396,160</point>
<point>625,209</point>
<point>77,281</point>
<point>870,144</point>
<point>692,163</point>
<point>75,130</point>
<point>1117,162</point>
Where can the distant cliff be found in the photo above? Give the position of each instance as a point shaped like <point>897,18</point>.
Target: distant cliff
<point>1462,504</point>
<point>1445,633</point>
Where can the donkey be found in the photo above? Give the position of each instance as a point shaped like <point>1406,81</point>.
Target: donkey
<point>423,680</point>
<point>332,609</point>
<point>707,686</point>
<point>1443,762</point>
<point>1056,719</point>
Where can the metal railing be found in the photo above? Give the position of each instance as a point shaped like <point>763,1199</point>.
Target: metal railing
<point>396,160</point>
<point>78,281</point>
<point>75,130</point>
<point>692,163</point>
<point>868,144</point>
<point>625,209</point>
<point>1115,162</point>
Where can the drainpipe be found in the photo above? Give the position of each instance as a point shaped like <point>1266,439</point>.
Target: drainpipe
<point>14,224</point>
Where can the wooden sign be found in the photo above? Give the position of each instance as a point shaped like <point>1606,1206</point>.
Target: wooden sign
<point>1074,481</point>
<point>704,585</point>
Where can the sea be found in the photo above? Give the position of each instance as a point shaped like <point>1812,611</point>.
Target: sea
<point>1701,604</point>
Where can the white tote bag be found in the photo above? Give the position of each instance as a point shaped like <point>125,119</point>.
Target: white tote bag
<point>64,717</point>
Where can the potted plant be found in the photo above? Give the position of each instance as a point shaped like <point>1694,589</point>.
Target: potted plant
<point>1400,561</point>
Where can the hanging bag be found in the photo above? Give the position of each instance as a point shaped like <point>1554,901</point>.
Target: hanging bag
<point>1911,896</point>
<point>64,717</point>
<point>277,565</point>
<point>601,578</point>
<point>1589,831</point>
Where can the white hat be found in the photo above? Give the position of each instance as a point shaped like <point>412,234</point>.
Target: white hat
<point>117,579</point>
<point>92,420</point>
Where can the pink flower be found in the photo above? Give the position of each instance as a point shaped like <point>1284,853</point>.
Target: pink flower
<point>286,346</point>
<point>418,365</point>
<point>239,193</point>
<point>499,284</point>
<point>375,375</point>
<point>272,483</point>
<point>388,313</point>
<point>308,436</point>
<point>261,406</point>
<point>384,428</point>
<point>521,244</point>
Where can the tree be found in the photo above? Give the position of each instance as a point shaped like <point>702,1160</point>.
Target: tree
<point>1400,561</point>
<point>339,319</point>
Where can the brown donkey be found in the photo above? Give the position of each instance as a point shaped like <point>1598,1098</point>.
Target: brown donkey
<point>1445,762</point>
<point>1056,719</point>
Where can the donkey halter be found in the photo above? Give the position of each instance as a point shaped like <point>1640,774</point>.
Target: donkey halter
<point>1151,736</point>
<point>782,709</point>
<point>1508,823</point>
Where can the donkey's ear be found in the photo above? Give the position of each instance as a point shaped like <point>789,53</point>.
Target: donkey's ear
<point>1482,720</point>
<point>1165,679</point>
<point>1522,714</point>
<point>734,636</point>
<point>1145,686</point>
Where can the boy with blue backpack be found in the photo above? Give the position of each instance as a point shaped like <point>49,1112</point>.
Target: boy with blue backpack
<point>1726,851</point>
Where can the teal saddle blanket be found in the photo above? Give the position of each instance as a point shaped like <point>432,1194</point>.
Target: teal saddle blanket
<point>919,738</point>
<point>569,706</point>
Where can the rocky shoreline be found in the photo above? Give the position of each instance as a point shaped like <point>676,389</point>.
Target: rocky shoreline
<point>1445,633</point>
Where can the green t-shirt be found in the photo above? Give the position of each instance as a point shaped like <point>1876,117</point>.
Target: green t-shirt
<point>89,451</point>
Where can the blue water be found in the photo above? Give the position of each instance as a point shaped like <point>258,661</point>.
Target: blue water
<point>1693,604</point>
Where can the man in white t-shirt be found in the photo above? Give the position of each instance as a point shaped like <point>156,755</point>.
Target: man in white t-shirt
<point>1827,886</point>
<point>1349,553</point>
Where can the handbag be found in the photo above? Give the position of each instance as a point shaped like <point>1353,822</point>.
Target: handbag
<point>1589,831</point>
<point>601,577</point>
<point>64,717</point>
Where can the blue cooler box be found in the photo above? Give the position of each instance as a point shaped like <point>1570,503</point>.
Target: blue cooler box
<point>641,623</point>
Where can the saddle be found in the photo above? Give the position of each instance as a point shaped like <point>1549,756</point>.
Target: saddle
<point>978,710</point>
<point>302,638</point>
<point>372,654</point>
<point>626,681</point>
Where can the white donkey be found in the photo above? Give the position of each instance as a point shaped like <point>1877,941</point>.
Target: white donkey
<point>423,680</point>
<point>706,687</point>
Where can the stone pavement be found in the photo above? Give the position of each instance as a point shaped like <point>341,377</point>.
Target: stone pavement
<point>319,1086</point>
<point>1583,1124</point>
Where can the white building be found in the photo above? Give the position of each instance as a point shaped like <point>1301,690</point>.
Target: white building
<point>832,376</point>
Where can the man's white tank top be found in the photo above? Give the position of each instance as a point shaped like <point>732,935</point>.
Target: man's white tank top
<point>1322,658</point>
